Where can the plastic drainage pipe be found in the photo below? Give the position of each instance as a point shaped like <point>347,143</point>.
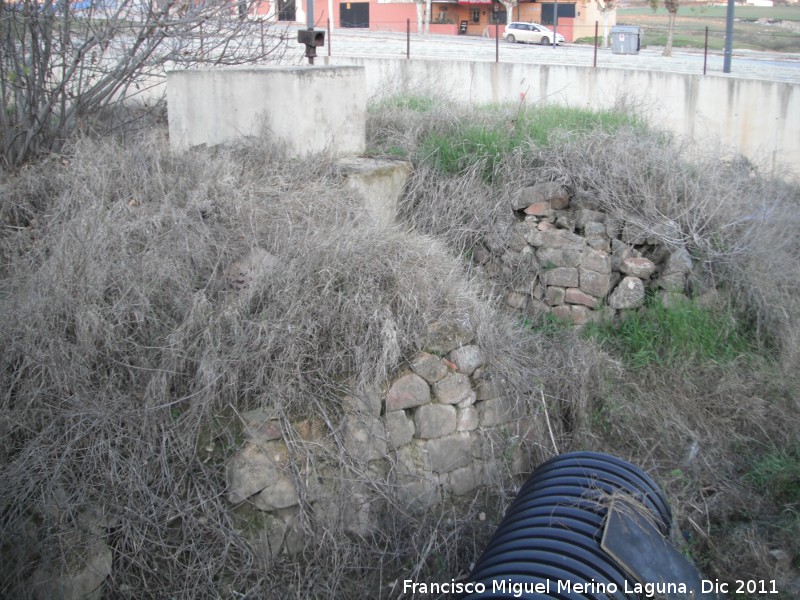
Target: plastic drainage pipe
<point>551,533</point>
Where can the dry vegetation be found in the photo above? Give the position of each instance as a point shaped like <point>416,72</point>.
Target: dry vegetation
<point>125,360</point>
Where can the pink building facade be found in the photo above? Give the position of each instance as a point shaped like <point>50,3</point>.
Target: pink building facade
<point>453,17</point>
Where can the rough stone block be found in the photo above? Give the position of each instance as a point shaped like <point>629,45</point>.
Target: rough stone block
<point>468,358</point>
<point>253,468</point>
<point>399,428</point>
<point>516,241</point>
<point>585,216</point>
<point>679,261</point>
<point>260,427</point>
<point>539,209</point>
<point>628,294</point>
<point>554,296</point>
<point>429,367</point>
<point>594,230</point>
<point>412,461</point>
<point>561,276</point>
<point>600,244</point>
<point>562,313</point>
<point>407,392</point>
<point>453,389</point>
<point>534,237</point>
<point>467,419</point>
<point>594,283</point>
<point>577,296</point>
<point>619,252</point>
<point>367,400</point>
<point>596,260</point>
<point>672,282</point>
<point>364,437</point>
<point>448,453</point>
<point>443,337</point>
<point>434,421</point>
<point>280,493</point>
<point>561,238</point>
<point>637,267</point>
<point>488,389</point>
<point>550,192</point>
<point>559,257</point>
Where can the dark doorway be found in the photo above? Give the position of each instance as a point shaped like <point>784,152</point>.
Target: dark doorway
<point>287,10</point>
<point>354,14</point>
<point>565,11</point>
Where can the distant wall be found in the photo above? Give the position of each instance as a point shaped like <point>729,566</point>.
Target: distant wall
<point>308,109</point>
<point>760,119</point>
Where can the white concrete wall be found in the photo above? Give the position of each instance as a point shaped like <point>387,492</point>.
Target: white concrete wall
<point>759,119</point>
<point>308,109</point>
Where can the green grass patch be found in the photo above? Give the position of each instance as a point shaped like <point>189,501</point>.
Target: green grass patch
<point>466,145</point>
<point>776,13</point>
<point>661,336</point>
<point>692,20</point>
<point>777,474</point>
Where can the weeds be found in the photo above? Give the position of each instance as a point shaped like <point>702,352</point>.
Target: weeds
<point>778,475</point>
<point>661,336</point>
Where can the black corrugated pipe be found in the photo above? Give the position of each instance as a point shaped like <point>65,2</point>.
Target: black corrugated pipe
<point>551,534</point>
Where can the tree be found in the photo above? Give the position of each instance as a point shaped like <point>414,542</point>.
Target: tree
<point>509,6</point>
<point>420,4</point>
<point>65,60</point>
<point>672,10</point>
<point>606,8</point>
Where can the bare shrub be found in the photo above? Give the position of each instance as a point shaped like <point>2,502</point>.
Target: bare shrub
<point>64,62</point>
<point>127,360</point>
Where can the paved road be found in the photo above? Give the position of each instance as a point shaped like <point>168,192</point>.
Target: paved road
<point>745,64</point>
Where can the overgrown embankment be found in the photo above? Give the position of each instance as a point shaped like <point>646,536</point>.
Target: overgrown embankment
<point>129,359</point>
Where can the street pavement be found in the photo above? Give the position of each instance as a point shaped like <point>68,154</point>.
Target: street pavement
<point>745,64</point>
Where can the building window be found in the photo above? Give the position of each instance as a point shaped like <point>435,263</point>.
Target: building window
<point>476,15</point>
<point>564,11</point>
<point>498,16</point>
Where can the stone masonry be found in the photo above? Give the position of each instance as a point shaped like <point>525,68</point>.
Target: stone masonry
<point>581,264</point>
<point>436,432</point>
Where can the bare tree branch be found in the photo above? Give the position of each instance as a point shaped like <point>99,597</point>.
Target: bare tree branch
<point>64,61</point>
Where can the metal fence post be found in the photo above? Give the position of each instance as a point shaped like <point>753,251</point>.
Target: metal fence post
<point>408,38</point>
<point>496,41</point>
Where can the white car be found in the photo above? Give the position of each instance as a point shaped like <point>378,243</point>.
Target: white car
<point>531,33</point>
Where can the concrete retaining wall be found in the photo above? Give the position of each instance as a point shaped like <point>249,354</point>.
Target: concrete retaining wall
<point>760,119</point>
<point>308,109</point>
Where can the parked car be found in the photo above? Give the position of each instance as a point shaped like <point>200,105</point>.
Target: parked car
<point>531,33</point>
